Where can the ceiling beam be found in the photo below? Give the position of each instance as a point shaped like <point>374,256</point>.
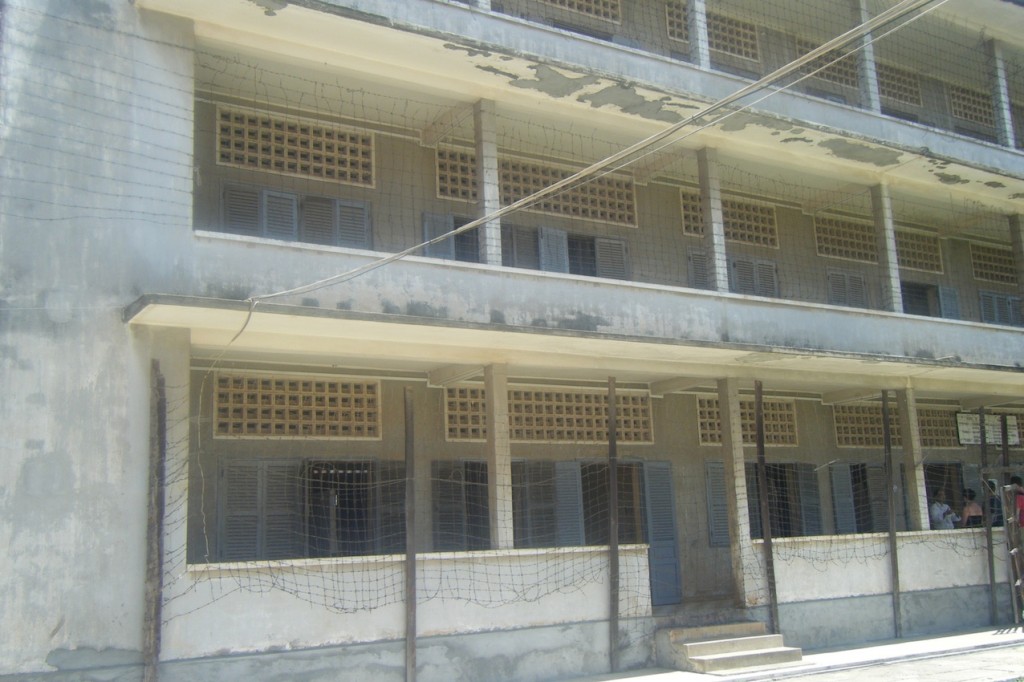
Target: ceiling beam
<point>850,395</point>
<point>675,385</point>
<point>444,125</point>
<point>453,374</point>
<point>972,404</point>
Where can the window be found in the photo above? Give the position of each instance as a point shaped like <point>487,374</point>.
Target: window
<point>699,273</point>
<point>930,300</point>
<point>756,277</point>
<point>859,498</point>
<point>794,503</point>
<point>294,508</point>
<point>999,308</point>
<point>263,212</point>
<point>554,250</point>
<point>847,289</point>
<point>461,511</point>
<point>463,247</point>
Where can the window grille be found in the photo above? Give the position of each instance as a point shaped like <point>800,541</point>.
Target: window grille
<point>456,175</point>
<point>262,141</point>
<point>296,407</point>
<point>541,415</point>
<point>971,105</point>
<point>847,239</point>
<point>899,85</point>
<point>602,9</point>
<point>860,426</point>
<point>993,264</point>
<point>938,428</point>
<point>678,18</point>
<point>733,36</point>
<point>831,67</point>
<point>918,251</point>
<point>693,212</point>
<point>779,421</point>
<point>750,223</point>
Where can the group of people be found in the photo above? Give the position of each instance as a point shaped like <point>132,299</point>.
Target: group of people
<point>943,517</point>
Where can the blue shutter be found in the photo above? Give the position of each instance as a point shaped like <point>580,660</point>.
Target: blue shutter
<point>554,249</point>
<point>568,505</point>
<point>241,210</point>
<point>842,499</point>
<point>717,503</point>
<point>238,510</point>
<point>354,225</point>
<point>699,274</point>
<point>610,255</point>
<point>280,215</point>
<point>743,277</point>
<point>283,535</point>
<point>435,225</point>
<point>526,248</point>
<point>389,507</point>
<point>767,280</point>
<point>949,303</point>
<point>663,552</point>
<point>317,223</point>
<point>260,510</point>
<point>810,499</point>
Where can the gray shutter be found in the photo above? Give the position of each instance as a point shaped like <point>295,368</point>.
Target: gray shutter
<point>949,303</point>
<point>810,499</point>
<point>526,248</point>
<point>280,215</point>
<point>837,289</point>
<point>842,499</point>
<point>857,291</point>
<point>554,249</point>
<point>435,225</point>
<point>753,500</point>
<point>449,505</point>
<point>1013,304</point>
<point>989,307</point>
<point>241,210</point>
<point>354,225</point>
<point>699,270</point>
<point>239,514</point>
<point>283,536</point>
<point>743,276</point>
<point>568,505</point>
<point>663,549</point>
<point>317,224</point>
<point>717,504</point>
<point>611,258</point>
<point>878,497</point>
<point>389,507</point>
<point>767,281</point>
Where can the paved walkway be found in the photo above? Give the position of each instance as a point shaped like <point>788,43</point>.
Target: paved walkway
<point>995,655</point>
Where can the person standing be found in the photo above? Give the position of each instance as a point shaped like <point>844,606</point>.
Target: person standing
<point>940,514</point>
<point>972,515</point>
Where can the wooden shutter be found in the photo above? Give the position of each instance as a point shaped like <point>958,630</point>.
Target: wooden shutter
<point>259,504</point>
<point>389,507</point>
<point>878,497</point>
<point>842,499</point>
<point>810,499</point>
<point>241,210</point>
<point>554,249</point>
<point>280,215</point>
<point>847,289</point>
<point>354,225</point>
<point>743,276</point>
<point>949,303</point>
<point>1000,308</point>
<point>717,504</point>
<point>767,281</point>
<point>449,505</point>
<point>611,258</point>
<point>753,500</point>
<point>699,275</point>
<point>435,225</point>
<point>317,223</point>
<point>568,505</point>
<point>663,549</point>
<point>283,536</point>
<point>238,498</point>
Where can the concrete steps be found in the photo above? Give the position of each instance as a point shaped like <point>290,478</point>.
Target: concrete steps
<point>723,647</point>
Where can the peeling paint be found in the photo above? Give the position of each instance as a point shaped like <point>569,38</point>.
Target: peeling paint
<point>553,83</point>
<point>738,122</point>
<point>950,179</point>
<point>498,72</point>
<point>994,184</point>
<point>630,101</point>
<point>470,51</point>
<point>582,322</point>
<point>855,151</point>
<point>798,139</point>
<point>1017,195</point>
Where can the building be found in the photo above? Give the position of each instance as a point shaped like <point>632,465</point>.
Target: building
<point>244,396</point>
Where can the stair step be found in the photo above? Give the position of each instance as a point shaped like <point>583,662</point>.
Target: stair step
<point>746,659</point>
<point>718,631</point>
<point>731,645</point>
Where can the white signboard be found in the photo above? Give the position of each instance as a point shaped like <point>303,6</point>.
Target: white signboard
<point>970,432</point>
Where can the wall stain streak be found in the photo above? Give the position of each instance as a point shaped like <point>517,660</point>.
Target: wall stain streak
<point>854,151</point>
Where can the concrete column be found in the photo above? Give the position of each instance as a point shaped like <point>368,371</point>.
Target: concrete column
<point>912,460</point>
<point>487,180</point>
<point>1017,240</point>
<point>1000,88</point>
<point>499,457</point>
<point>885,228</point>
<point>868,77</point>
<point>700,52</point>
<point>748,591</point>
<point>714,223</point>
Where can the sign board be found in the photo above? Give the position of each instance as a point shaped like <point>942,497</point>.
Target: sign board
<point>970,431</point>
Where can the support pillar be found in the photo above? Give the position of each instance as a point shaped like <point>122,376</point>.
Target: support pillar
<point>700,52</point>
<point>1017,240</point>
<point>912,458</point>
<point>885,228</point>
<point>748,588</point>
<point>499,457</point>
<point>714,222</point>
<point>867,76</point>
<point>488,189</point>
<point>1000,88</point>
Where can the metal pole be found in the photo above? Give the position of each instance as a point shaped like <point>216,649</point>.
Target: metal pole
<point>155,526</point>
<point>987,516</point>
<point>1012,531</point>
<point>894,557</point>
<point>766,521</point>
<point>410,543</point>
<point>613,529</point>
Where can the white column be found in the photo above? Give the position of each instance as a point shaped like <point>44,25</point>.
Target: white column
<point>487,180</point>
<point>885,228</point>
<point>749,591</point>
<point>714,223</point>
<point>700,52</point>
<point>1000,87</point>
<point>912,459</point>
<point>870,98</point>
<point>499,457</point>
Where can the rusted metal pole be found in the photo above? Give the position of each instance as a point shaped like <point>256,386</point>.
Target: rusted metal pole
<point>410,542</point>
<point>766,521</point>
<point>987,516</point>
<point>155,526</point>
<point>1012,530</point>
<point>613,529</point>
<point>894,556</point>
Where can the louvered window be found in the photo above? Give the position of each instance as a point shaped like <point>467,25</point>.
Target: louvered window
<point>860,502</point>
<point>754,276</point>
<point>461,510</point>
<point>263,212</point>
<point>794,501</point>
<point>847,289</point>
<point>555,250</point>
<point>997,308</point>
